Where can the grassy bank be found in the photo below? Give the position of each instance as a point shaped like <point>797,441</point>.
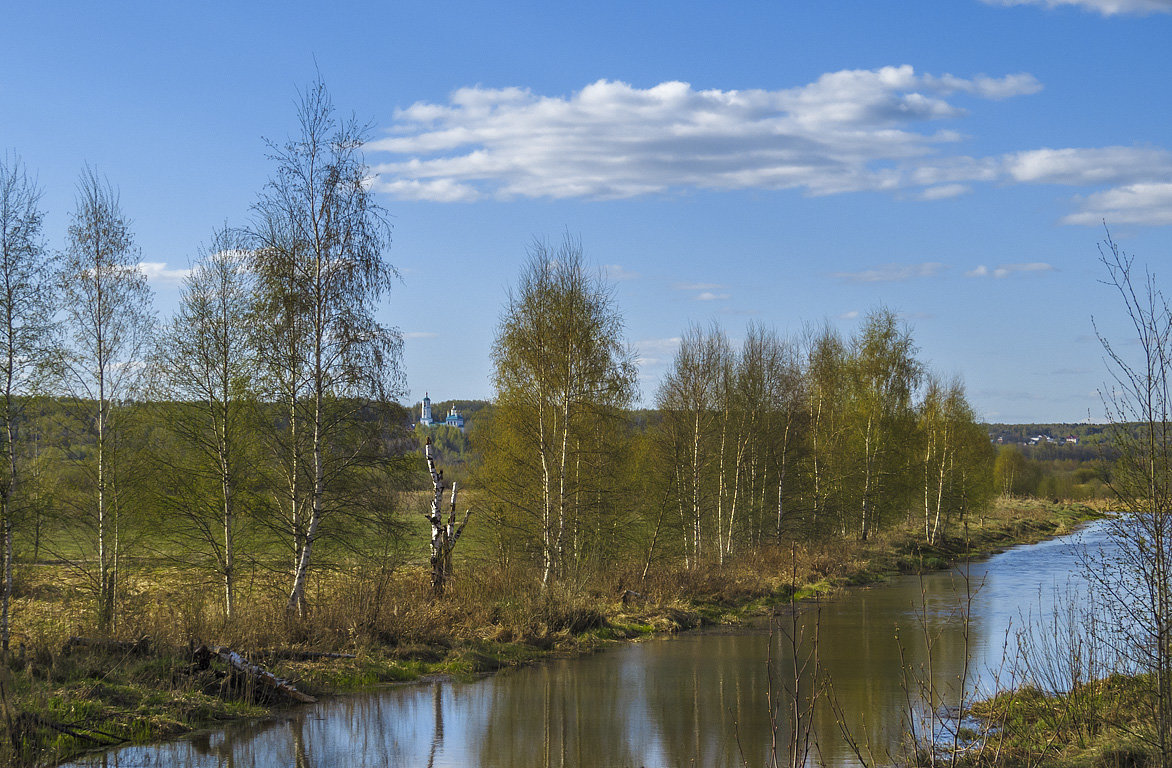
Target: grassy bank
<point>1099,724</point>
<point>60,699</point>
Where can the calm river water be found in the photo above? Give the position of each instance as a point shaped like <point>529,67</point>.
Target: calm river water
<point>699,699</point>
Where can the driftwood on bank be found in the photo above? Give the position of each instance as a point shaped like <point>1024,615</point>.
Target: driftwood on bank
<point>260,675</point>
<point>139,647</point>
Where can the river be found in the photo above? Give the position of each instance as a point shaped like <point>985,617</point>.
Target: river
<point>698,699</point>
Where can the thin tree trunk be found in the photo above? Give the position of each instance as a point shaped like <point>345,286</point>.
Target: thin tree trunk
<point>864,530</point>
<point>9,492</point>
<point>781,474</point>
<point>696,538</point>
<point>547,549</point>
<point>297,600</point>
<point>720,487</point>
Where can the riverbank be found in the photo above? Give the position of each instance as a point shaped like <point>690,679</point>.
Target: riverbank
<point>394,632</point>
<point>1105,723</point>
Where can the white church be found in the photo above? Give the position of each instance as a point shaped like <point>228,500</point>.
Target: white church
<point>454,417</point>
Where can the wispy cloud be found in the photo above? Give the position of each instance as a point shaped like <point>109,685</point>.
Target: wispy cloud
<point>159,272</point>
<point>1081,166</point>
<point>851,315</point>
<point>652,352</point>
<point>707,291</point>
<point>618,273</point>
<point>1005,270</point>
<point>1105,7</point>
<point>611,139</point>
<point>891,273</point>
<point>1148,203</point>
<point>944,191</point>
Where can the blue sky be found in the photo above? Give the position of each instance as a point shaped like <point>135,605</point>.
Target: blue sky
<point>785,162</point>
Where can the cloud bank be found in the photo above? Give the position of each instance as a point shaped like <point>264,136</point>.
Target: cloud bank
<point>848,131</point>
<point>844,132</point>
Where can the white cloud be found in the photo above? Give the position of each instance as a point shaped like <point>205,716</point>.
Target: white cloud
<point>944,191</point>
<point>435,190</point>
<point>1005,270</point>
<point>656,351</point>
<point>846,131</point>
<point>1105,7</point>
<point>618,273</point>
<point>1149,203</point>
<point>854,313</point>
<point>710,296</point>
<point>891,273</point>
<point>1086,166</point>
<point>157,271</point>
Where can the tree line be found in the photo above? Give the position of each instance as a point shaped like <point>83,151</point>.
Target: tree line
<point>773,440</point>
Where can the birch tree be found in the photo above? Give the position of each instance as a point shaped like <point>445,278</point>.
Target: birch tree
<point>691,398</point>
<point>27,336</point>
<point>110,321</point>
<point>560,368</point>
<point>826,375</point>
<point>207,369</point>
<point>321,275</point>
<point>883,377</point>
<point>781,437</point>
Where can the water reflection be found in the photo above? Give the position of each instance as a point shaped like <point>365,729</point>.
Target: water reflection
<point>699,699</point>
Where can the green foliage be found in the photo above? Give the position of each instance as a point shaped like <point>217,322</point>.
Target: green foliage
<point>553,452</point>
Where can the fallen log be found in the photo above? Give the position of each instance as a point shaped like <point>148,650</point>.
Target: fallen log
<point>261,676</point>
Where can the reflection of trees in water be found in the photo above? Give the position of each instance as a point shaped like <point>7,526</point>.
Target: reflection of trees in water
<point>365,729</point>
<point>437,735</point>
<point>875,650</point>
<point>556,715</point>
<point>701,692</point>
<point>221,744</point>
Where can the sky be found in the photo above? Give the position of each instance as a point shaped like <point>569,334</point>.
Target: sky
<point>786,163</point>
